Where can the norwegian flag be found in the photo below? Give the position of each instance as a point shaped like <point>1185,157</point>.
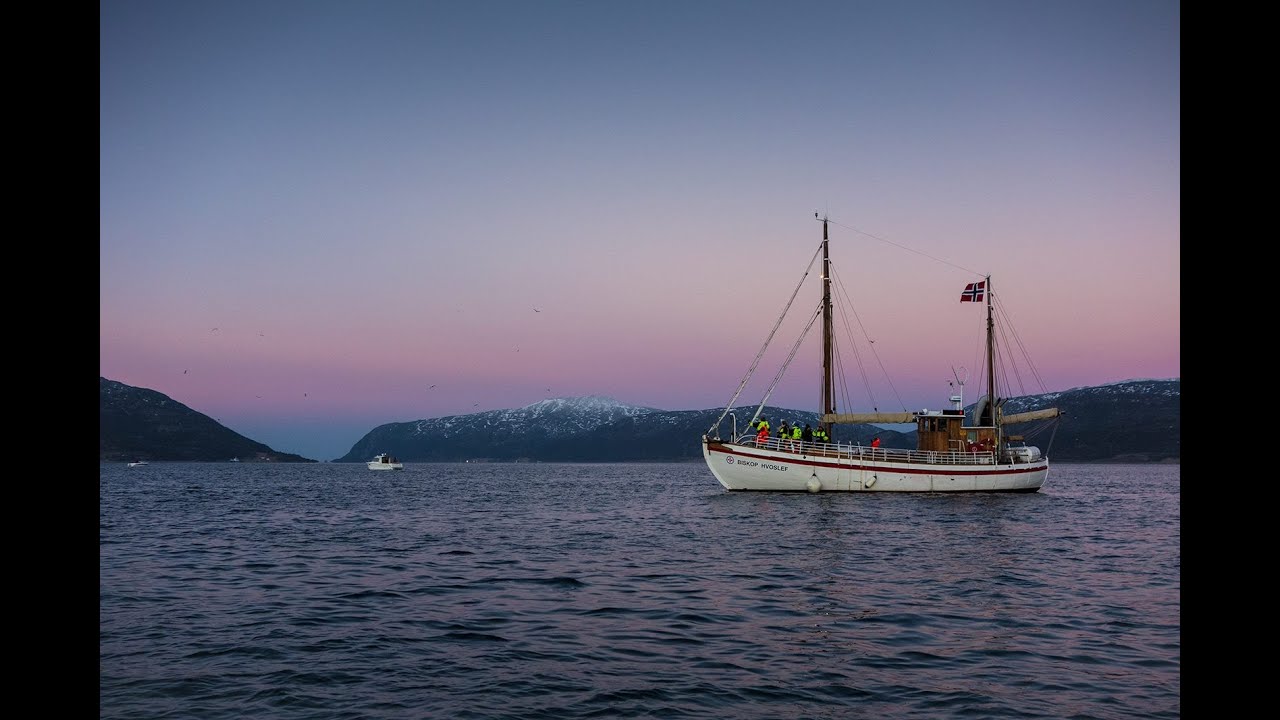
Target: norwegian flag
<point>973,292</point>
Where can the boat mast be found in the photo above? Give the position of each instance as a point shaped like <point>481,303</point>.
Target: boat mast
<point>828,347</point>
<point>993,398</point>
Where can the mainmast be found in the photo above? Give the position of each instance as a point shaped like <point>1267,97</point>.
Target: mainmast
<point>828,346</point>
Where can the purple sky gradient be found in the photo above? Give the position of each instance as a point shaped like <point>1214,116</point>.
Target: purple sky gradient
<point>367,199</point>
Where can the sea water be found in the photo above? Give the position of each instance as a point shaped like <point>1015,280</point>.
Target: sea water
<point>563,591</point>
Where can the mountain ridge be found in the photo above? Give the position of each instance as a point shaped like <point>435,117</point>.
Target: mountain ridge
<point>1125,421</point>
<point>143,424</point>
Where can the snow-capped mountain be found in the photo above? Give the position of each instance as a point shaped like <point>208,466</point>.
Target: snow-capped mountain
<point>1130,421</point>
<point>546,418</point>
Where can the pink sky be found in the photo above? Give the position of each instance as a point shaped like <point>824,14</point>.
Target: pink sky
<point>367,200</point>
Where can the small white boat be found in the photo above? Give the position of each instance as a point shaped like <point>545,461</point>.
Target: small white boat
<point>383,461</point>
<point>140,462</point>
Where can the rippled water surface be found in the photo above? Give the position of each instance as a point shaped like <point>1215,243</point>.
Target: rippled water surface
<point>573,591</point>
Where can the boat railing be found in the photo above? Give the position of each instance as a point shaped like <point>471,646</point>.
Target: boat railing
<point>921,457</point>
<point>772,443</point>
<point>849,451</point>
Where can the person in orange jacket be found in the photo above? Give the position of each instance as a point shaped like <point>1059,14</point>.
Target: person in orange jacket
<point>762,436</point>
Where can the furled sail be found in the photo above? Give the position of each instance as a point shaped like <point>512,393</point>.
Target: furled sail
<point>1030,415</point>
<point>872,417</point>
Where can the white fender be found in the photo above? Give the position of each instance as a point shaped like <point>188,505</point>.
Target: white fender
<point>814,484</point>
<point>869,482</point>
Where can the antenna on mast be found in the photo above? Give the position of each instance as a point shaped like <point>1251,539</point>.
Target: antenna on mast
<point>958,399</point>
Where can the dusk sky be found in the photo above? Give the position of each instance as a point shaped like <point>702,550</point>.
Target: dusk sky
<point>313,212</point>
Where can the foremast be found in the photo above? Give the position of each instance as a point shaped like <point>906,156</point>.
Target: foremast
<point>829,417</point>
<point>828,343</point>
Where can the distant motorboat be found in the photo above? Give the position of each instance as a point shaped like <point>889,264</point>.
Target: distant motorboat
<point>383,461</point>
<point>139,462</point>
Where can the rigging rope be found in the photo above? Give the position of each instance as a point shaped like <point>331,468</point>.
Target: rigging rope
<point>756,362</point>
<point>846,301</point>
<point>794,349</point>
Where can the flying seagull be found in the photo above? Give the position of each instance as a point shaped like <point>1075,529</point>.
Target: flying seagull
<point>535,309</point>
<point>431,387</point>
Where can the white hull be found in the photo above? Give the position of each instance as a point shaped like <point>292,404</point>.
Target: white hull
<point>859,469</point>
<point>385,461</point>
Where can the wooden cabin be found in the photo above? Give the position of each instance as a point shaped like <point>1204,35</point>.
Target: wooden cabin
<point>945,431</point>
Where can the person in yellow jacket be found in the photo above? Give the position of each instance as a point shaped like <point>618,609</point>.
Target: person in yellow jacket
<point>762,431</point>
<point>796,433</point>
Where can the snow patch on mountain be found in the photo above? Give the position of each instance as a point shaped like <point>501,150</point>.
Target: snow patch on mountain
<point>549,418</point>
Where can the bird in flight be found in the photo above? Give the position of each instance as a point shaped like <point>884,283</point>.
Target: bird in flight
<point>535,309</point>
<point>184,372</point>
<point>431,387</point>
<point>476,405</point>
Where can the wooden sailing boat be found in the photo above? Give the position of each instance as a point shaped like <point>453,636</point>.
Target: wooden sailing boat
<point>952,454</point>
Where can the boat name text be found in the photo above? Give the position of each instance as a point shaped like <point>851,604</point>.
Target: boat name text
<point>753,463</point>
